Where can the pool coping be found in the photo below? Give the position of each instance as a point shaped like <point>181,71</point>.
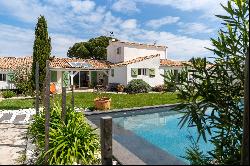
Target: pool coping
<point>123,155</point>
<point>87,113</point>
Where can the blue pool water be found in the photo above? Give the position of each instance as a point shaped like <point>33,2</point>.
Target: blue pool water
<point>162,130</point>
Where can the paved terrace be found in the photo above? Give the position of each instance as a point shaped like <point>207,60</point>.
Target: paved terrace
<point>13,135</point>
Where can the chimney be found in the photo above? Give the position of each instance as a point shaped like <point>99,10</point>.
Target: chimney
<point>111,40</point>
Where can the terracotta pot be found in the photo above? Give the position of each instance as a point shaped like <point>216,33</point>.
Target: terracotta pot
<point>102,103</point>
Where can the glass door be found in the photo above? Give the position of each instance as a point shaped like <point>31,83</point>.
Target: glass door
<point>84,78</point>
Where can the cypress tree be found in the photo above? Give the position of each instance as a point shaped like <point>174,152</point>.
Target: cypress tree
<point>41,51</point>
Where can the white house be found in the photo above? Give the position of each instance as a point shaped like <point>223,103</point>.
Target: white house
<point>125,61</point>
<point>139,61</point>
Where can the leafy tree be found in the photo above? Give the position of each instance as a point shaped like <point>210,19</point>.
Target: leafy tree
<point>212,102</point>
<point>22,80</point>
<point>41,51</point>
<point>95,48</point>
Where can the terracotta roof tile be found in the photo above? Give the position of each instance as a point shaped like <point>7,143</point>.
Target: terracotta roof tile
<point>168,62</point>
<point>139,59</point>
<point>63,63</point>
<point>12,63</point>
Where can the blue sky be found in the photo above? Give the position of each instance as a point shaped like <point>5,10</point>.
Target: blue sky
<point>185,26</point>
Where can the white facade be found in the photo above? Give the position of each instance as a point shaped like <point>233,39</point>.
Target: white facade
<point>134,52</point>
<point>5,84</point>
<point>128,52</point>
<point>153,63</point>
<point>120,75</point>
<point>112,55</point>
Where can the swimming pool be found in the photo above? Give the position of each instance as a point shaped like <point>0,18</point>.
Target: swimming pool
<point>152,134</point>
<point>162,130</point>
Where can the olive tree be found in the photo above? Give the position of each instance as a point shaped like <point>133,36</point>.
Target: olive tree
<point>213,101</point>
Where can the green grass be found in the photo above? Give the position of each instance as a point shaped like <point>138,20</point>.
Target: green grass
<point>83,100</point>
<point>14,104</point>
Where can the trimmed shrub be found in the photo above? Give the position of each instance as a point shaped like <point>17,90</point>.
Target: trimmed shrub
<point>138,86</point>
<point>159,88</point>
<point>8,94</point>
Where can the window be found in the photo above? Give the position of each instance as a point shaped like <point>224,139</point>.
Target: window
<point>2,77</point>
<point>142,71</point>
<point>151,72</point>
<point>112,72</point>
<point>118,50</point>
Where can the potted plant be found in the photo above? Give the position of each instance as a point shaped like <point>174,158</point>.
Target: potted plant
<point>102,103</point>
<point>120,88</point>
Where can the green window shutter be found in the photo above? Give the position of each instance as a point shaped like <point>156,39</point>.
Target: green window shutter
<point>134,72</point>
<point>10,77</point>
<point>53,75</point>
<point>112,72</point>
<point>65,78</point>
<point>152,72</point>
<point>93,77</point>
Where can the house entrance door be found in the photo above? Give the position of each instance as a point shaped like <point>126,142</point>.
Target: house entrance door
<point>84,78</point>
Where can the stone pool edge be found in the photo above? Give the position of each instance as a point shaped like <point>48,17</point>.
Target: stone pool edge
<point>120,153</point>
<point>87,113</point>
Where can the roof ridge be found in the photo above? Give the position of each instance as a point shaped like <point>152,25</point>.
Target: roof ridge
<point>172,62</point>
<point>140,44</point>
<point>138,59</point>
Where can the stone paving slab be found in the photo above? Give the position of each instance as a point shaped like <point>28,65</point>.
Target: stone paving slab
<point>6,117</point>
<point>22,116</point>
<point>13,134</point>
<point>13,142</point>
<point>19,118</point>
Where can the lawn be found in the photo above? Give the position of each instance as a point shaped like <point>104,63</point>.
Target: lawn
<point>14,104</point>
<point>85,100</point>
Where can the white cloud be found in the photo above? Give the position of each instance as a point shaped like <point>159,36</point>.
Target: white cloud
<point>22,9</point>
<point>129,24</point>
<point>179,47</point>
<point>156,23</point>
<point>82,6</point>
<point>194,28</point>
<point>17,41</point>
<point>65,17</point>
<point>62,19</point>
<point>208,7</point>
<point>125,6</point>
<point>61,43</point>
